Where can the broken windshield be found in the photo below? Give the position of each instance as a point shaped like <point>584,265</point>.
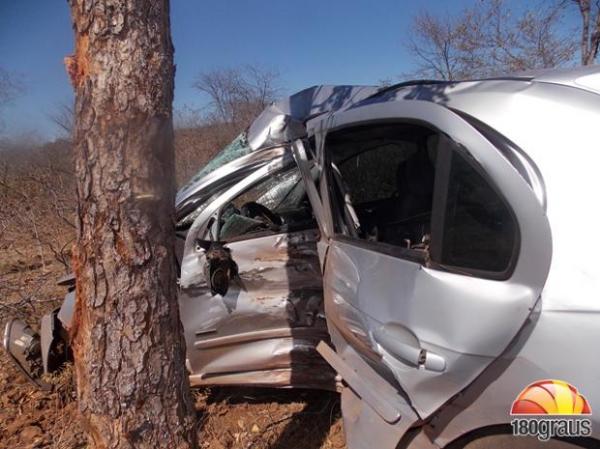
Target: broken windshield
<point>236,149</point>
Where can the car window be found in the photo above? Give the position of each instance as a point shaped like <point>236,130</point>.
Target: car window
<point>479,229</point>
<point>275,205</point>
<point>383,179</point>
<point>372,179</point>
<point>187,220</point>
<point>382,182</point>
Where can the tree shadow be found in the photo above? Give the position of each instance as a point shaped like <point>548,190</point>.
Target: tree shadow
<point>309,427</point>
<point>424,90</point>
<point>297,418</point>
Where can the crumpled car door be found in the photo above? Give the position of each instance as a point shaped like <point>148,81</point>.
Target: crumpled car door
<point>428,330</point>
<point>263,328</point>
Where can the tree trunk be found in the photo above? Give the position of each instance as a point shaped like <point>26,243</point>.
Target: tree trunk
<point>584,9</point>
<point>590,32</point>
<point>595,39</point>
<point>127,338</point>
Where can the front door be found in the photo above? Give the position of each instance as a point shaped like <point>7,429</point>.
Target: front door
<point>264,329</point>
<point>439,248</point>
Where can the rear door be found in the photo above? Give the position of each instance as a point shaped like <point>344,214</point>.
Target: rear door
<point>438,250</point>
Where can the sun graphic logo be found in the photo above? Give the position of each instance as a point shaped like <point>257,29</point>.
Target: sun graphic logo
<point>550,397</point>
<point>554,408</point>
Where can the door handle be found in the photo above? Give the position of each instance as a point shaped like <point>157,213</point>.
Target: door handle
<point>402,343</point>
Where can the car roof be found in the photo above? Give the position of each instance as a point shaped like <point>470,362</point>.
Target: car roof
<point>584,78</point>
<point>293,117</point>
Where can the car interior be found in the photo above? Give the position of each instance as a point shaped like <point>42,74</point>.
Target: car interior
<point>382,186</point>
<point>383,178</point>
<point>276,205</point>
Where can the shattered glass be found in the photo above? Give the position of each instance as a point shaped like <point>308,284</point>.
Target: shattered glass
<point>279,193</point>
<point>235,225</point>
<point>187,221</point>
<point>237,148</point>
<point>273,193</point>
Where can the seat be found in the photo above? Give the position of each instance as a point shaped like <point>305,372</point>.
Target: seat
<point>410,218</point>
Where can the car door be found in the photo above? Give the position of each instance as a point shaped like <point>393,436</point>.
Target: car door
<point>264,329</point>
<point>437,250</point>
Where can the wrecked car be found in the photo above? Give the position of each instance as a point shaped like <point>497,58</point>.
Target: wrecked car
<point>429,249</point>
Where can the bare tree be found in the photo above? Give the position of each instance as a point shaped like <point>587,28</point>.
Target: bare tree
<point>10,88</point>
<point>63,117</point>
<point>238,95</point>
<point>590,30</point>
<point>489,39</point>
<point>127,337</point>
<point>436,46</point>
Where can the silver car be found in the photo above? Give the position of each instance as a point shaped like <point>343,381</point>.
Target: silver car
<point>420,248</point>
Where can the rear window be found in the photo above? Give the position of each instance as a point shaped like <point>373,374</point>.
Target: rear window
<point>479,229</point>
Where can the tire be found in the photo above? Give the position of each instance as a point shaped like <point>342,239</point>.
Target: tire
<point>500,437</point>
<point>512,442</point>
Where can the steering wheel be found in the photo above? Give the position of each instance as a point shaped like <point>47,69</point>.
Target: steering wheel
<point>253,209</point>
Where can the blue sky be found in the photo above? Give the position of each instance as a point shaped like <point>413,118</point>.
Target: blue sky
<point>308,42</point>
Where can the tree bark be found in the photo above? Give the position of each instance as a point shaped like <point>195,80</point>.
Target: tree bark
<point>127,337</point>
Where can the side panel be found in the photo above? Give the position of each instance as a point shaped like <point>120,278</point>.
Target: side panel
<point>189,270</point>
<point>550,346</point>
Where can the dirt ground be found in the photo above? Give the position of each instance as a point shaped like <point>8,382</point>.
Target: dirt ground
<point>248,418</point>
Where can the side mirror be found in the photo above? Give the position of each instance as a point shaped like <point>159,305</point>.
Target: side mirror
<point>23,346</point>
<point>219,268</point>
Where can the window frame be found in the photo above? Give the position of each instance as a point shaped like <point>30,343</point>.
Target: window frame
<point>431,258</point>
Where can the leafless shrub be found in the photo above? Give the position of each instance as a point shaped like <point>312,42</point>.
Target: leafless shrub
<point>236,96</point>
<point>194,147</point>
<point>38,200</point>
